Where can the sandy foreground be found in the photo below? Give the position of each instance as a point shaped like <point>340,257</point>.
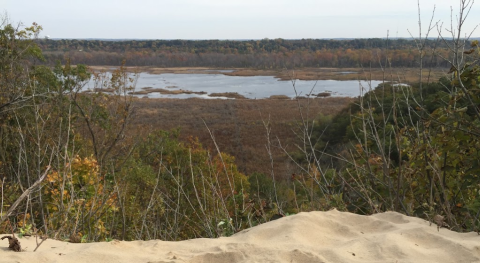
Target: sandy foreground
<point>307,237</point>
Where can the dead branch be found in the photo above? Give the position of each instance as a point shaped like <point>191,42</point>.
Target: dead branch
<point>43,238</point>
<point>24,194</point>
<point>13,243</point>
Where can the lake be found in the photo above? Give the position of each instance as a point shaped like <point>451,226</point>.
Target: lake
<point>252,87</point>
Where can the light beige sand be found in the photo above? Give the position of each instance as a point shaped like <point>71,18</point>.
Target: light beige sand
<point>307,237</point>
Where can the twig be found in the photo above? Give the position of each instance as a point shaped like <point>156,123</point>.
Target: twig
<point>24,194</point>
<point>39,244</point>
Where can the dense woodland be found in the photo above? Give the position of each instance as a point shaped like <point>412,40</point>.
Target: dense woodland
<point>262,54</point>
<point>69,170</point>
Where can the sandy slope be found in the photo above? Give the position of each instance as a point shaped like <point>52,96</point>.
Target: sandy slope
<point>307,237</point>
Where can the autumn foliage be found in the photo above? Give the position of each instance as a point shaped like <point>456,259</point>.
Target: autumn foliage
<point>409,148</point>
<point>261,54</point>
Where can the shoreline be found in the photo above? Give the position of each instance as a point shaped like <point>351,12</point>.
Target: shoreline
<point>408,75</point>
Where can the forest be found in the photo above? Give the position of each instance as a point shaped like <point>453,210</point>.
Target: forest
<point>77,166</point>
<point>259,54</point>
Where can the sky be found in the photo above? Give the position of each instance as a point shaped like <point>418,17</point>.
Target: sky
<point>234,19</point>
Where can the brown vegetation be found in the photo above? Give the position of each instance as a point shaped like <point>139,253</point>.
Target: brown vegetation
<point>324,94</point>
<point>149,90</point>
<point>399,148</point>
<point>408,75</point>
<point>279,97</point>
<point>230,95</point>
<point>251,54</point>
<point>401,74</point>
<point>237,125</point>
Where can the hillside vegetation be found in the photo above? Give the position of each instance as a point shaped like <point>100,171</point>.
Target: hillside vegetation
<point>260,54</point>
<point>95,166</point>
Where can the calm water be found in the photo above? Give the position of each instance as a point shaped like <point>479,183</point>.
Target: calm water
<point>250,87</point>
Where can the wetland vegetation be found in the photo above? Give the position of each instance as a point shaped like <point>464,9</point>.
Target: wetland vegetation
<point>105,164</point>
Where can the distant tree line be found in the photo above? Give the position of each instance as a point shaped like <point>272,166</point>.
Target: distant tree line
<point>263,54</point>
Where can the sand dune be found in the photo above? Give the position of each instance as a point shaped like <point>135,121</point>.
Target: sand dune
<point>307,237</point>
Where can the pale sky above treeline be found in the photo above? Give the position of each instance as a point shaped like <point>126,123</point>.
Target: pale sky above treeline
<point>234,19</point>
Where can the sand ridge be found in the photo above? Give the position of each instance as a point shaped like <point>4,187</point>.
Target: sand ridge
<point>331,236</point>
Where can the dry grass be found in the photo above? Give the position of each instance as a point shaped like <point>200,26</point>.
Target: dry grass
<point>324,94</point>
<point>238,125</point>
<point>408,75</point>
<point>395,74</point>
<point>149,90</point>
<point>280,97</point>
<point>230,95</point>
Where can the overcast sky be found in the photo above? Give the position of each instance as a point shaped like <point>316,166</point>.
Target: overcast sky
<point>231,19</point>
